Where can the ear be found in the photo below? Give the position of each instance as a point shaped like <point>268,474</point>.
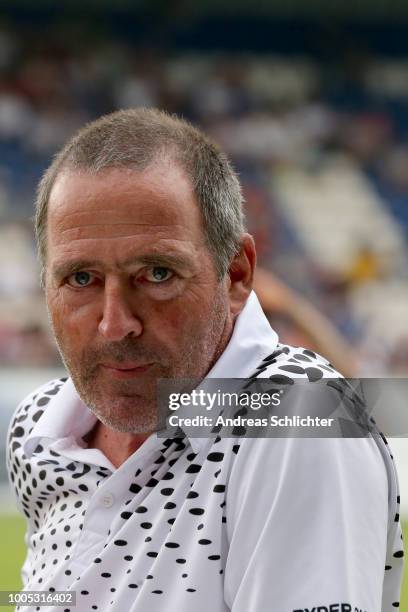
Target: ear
<point>241,273</point>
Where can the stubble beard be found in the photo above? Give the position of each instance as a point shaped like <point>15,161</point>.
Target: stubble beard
<point>135,411</point>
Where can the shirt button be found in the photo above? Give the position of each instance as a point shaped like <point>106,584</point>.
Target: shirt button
<point>107,500</point>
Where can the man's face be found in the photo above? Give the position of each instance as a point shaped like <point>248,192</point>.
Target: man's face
<point>131,288</point>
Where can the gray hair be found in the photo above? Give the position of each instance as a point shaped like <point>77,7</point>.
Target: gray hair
<point>136,138</point>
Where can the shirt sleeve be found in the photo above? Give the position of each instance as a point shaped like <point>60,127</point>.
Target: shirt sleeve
<point>307,526</point>
<point>15,440</point>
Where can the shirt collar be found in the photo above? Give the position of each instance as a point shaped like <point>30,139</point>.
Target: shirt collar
<point>65,415</point>
<point>251,341</point>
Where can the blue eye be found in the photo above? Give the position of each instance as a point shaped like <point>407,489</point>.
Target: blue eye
<point>160,274</point>
<point>81,278</point>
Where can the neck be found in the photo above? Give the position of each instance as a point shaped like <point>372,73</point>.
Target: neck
<point>115,445</point>
<point>223,341</point>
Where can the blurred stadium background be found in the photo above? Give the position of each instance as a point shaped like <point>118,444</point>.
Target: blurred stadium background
<point>311,102</point>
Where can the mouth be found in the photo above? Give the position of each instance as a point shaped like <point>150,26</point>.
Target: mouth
<point>125,370</point>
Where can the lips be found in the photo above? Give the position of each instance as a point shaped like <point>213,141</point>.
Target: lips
<point>125,366</point>
<point>125,370</point>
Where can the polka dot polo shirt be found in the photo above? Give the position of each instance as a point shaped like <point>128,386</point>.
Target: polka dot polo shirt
<point>200,524</point>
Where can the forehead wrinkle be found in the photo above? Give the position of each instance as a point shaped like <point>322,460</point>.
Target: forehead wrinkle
<point>136,223</point>
<point>59,211</point>
<point>148,228</point>
<point>113,223</point>
<point>158,235</point>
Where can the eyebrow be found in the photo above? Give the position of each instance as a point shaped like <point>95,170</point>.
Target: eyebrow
<point>67,268</point>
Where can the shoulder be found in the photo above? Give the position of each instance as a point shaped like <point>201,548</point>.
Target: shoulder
<point>28,412</point>
<point>21,425</point>
<point>296,362</point>
<point>288,464</point>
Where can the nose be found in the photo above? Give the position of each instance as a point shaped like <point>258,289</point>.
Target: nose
<point>118,318</point>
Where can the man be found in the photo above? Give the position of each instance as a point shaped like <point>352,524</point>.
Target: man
<point>147,271</point>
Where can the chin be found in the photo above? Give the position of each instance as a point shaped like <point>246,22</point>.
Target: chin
<point>120,416</point>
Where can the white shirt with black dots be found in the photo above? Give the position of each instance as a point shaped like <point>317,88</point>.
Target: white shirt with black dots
<point>247,525</point>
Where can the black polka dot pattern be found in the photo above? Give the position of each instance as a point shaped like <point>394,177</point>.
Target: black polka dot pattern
<point>153,527</point>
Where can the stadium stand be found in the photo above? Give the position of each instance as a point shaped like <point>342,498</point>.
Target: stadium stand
<point>321,151</point>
